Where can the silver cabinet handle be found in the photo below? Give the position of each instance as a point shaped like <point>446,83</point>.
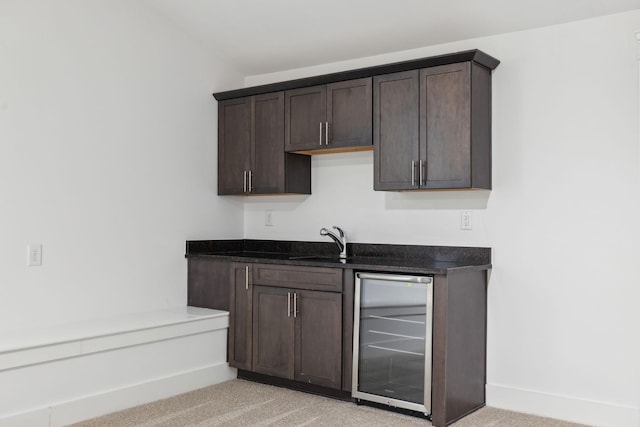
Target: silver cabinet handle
<point>420,173</point>
<point>288,304</point>
<point>295,304</point>
<point>326,133</point>
<point>246,277</point>
<point>250,181</point>
<point>244,181</point>
<point>320,133</point>
<point>413,173</point>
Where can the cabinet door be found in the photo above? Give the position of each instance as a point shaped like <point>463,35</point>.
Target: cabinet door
<point>273,331</point>
<point>445,126</point>
<point>396,131</point>
<point>267,141</point>
<point>305,117</point>
<point>349,114</point>
<point>234,144</point>
<point>240,314</point>
<point>318,343</point>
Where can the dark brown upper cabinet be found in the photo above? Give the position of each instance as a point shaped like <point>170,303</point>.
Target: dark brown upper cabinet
<point>396,125</point>
<point>251,156</point>
<point>234,145</point>
<point>428,121</point>
<point>432,128</point>
<point>329,118</point>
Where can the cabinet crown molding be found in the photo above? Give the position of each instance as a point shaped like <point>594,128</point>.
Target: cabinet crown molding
<point>474,55</point>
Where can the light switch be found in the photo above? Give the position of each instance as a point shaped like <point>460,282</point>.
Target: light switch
<point>466,222</point>
<point>268,218</point>
<point>34,253</point>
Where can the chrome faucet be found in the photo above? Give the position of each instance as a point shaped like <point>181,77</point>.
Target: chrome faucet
<point>340,239</point>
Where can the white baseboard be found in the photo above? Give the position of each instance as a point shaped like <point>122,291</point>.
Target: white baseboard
<point>115,400</point>
<point>35,418</point>
<point>562,407</point>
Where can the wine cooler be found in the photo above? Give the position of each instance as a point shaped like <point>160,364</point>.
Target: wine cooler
<point>392,340</point>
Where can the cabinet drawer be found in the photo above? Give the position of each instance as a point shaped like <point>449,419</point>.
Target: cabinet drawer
<point>290,276</point>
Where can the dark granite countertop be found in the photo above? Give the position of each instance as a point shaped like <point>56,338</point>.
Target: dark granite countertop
<point>361,256</point>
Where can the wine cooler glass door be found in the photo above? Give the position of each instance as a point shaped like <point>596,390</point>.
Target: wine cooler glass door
<point>392,340</point>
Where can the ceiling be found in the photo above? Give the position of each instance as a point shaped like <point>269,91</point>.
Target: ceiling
<point>263,36</point>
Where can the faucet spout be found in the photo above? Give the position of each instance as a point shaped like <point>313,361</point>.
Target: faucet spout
<point>340,239</point>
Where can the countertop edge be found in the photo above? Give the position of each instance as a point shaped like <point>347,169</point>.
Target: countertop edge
<point>384,265</point>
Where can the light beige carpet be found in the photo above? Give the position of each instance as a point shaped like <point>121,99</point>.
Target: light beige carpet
<point>244,403</point>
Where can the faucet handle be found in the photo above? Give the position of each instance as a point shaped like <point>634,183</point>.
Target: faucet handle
<point>339,231</point>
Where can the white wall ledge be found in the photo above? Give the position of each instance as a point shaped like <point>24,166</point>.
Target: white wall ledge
<point>28,347</point>
<point>91,368</point>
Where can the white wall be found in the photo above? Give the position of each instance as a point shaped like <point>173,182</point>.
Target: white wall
<point>563,336</point>
<point>107,157</point>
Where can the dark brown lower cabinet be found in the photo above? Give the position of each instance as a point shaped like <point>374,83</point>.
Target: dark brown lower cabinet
<point>295,323</point>
<point>297,334</point>
<point>459,345</point>
<point>287,322</point>
<point>273,332</point>
<point>240,315</point>
<point>318,338</point>
<point>207,283</point>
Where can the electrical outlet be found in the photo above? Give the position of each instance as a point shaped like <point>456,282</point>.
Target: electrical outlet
<point>34,253</point>
<point>268,218</point>
<point>466,222</point>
